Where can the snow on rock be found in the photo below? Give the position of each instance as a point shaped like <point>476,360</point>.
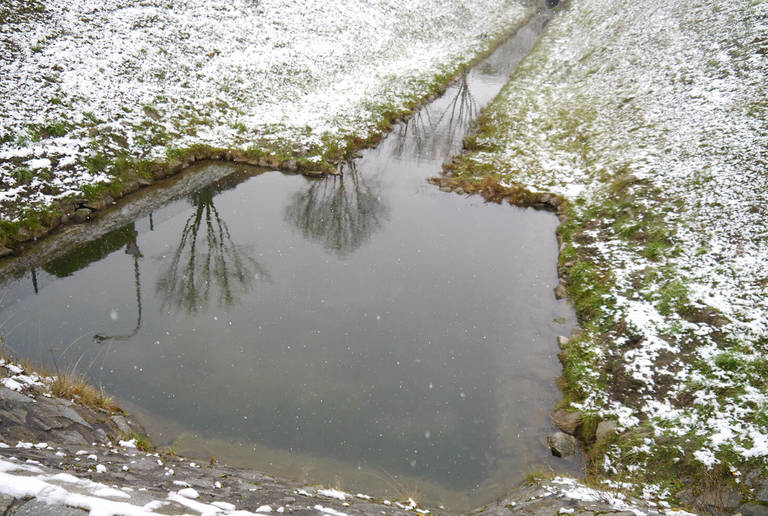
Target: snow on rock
<point>572,489</point>
<point>333,493</point>
<point>18,381</point>
<point>330,511</point>
<point>188,492</point>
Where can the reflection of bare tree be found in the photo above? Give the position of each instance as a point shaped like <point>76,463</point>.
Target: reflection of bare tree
<point>132,249</point>
<point>435,128</point>
<point>341,212</point>
<point>208,264</point>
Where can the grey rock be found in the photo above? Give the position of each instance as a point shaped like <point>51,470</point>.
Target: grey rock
<point>45,415</point>
<point>4,251</point>
<point>560,291</point>
<point>753,509</point>
<point>498,511</point>
<point>68,437</point>
<point>270,161</point>
<point>23,234</point>
<point>561,444</point>
<point>606,428</point>
<point>715,501</point>
<point>546,508</point>
<point>122,424</point>
<point>38,508</point>
<point>72,415</point>
<point>42,424</point>
<point>81,215</point>
<point>459,191</point>
<point>291,165</point>
<point>96,205</point>
<point>101,435</point>
<point>19,411</point>
<point>731,498</point>
<point>12,396</point>
<point>446,189</point>
<point>762,492</point>
<point>173,509</point>
<point>567,420</point>
<point>130,187</point>
<point>562,341</point>
<point>9,416</point>
<point>596,506</point>
<point>175,166</point>
<point>5,502</point>
<point>754,478</point>
<point>686,497</point>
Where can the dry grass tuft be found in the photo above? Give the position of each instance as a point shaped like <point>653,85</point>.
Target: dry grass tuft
<point>73,386</point>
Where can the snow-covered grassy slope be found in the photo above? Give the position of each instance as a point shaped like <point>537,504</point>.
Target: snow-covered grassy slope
<point>651,120</point>
<point>89,87</point>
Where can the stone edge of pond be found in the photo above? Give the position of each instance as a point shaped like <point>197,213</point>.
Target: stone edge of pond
<point>60,457</point>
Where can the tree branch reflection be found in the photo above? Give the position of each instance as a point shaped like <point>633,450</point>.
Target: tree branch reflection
<point>435,128</point>
<point>207,265</point>
<point>132,249</point>
<point>340,212</point>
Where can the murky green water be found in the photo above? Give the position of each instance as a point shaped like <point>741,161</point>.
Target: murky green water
<point>366,330</point>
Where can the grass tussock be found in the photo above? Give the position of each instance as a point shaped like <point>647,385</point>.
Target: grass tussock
<point>75,387</point>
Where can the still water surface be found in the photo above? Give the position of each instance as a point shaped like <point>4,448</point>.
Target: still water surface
<point>366,330</point>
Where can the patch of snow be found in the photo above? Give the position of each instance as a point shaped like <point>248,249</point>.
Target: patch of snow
<point>328,510</point>
<point>224,506</point>
<point>333,493</point>
<point>189,492</point>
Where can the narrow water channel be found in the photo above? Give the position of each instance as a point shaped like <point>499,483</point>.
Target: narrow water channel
<point>366,331</point>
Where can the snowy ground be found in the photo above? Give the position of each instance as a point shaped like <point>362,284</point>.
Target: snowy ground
<point>651,119</point>
<point>91,85</point>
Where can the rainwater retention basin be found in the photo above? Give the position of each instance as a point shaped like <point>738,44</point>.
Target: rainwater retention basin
<point>367,331</point>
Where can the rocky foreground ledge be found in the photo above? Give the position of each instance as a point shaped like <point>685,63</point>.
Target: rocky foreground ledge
<point>60,457</point>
